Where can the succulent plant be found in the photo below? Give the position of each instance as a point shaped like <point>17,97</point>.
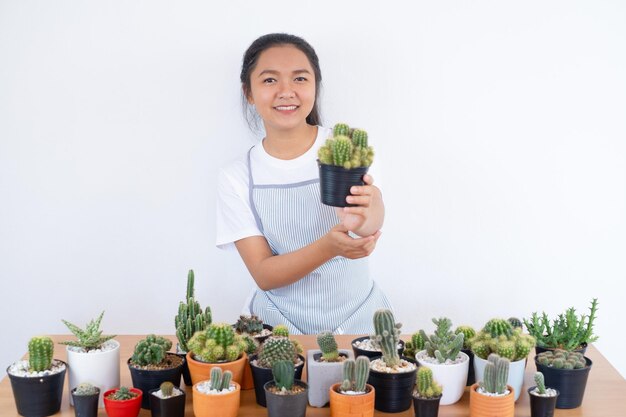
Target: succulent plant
<point>40,351</point>
<point>280,330</point>
<point>220,380</point>
<point>468,333</point>
<point>190,318</point>
<point>249,324</point>
<point>274,349</point>
<point>167,388</point>
<point>284,374</point>
<point>328,346</point>
<point>515,322</point>
<point>89,339</point>
<point>151,350</point>
<point>348,148</point>
<point>498,336</point>
<point>495,375</point>
<point>217,343</point>
<point>540,382</point>
<point>85,388</point>
<point>443,344</point>
<point>414,345</point>
<point>425,386</point>
<point>355,374</point>
<point>386,337</point>
<point>562,359</point>
<point>250,344</point>
<point>122,393</point>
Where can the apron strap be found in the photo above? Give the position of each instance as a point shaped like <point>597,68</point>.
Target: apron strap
<point>255,213</point>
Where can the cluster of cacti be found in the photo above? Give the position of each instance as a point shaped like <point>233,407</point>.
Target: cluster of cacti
<point>414,345</point>
<point>250,344</point>
<point>562,359</point>
<point>85,388</point>
<point>166,388</point>
<point>274,349</point>
<point>123,393</point>
<point>495,375</point>
<point>284,374</point>
<point>40,351</point>
<point>355,374</point>
<point>217,343</point>
<point>425,386</point>
<point>89,339</point>
<point>540,383</point>
<point>387,336</point>
<point>280,330</point>
<point>328,346</point>
<point>499,336</point>
<point>443,344</point>
<point>348,148</point>
<point>468,333</point>
<point>515,322</point>
<point>249,324</point>
<point>151,350</point>
<point>190,318</point>
<point>220,380</point>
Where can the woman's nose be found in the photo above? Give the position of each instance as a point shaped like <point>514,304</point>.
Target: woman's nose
<point>286,91</point>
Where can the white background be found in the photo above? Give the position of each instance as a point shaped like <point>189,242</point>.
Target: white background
<point>499,128</point>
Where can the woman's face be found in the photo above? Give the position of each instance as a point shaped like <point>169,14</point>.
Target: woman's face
<point>282,87</point>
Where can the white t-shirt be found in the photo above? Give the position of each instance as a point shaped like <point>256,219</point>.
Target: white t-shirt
<point>235,219</point>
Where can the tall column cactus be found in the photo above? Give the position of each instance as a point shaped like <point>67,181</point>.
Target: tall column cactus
<point>355,374</point>
<point>387,336</point>
<point>40,351</point>
<point>190,318</point>
<point>284,374</point>
<point>495,375</point>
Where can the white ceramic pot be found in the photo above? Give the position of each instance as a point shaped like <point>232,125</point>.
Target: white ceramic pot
<point>452,378</point>
<point>322,375</point>
<point>516,373</point>
<point>101,369</point>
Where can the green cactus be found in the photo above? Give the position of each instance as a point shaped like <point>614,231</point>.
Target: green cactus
<point>217,343</point>
<point>85,388</point>
<point>274,349</point>
<point>40,351</point>
<point>414,345</point>
<point>386,337</point>
<point>250,344</point>
<point>355,374</point>
<point>167,388</point>
<point>190,318</point>
<point>498,336</point>
<point>220,380</point>
<point>249,324</point>
<point>426,387</point>
<point>443,344</point>
<point>284,374</point>
<point>359,138</point>
<point>341,129</point>
<point>89,339</point>
<point>498,327</point>
<point>328,346</point>
<point>515,322</point>
<point>495,375</point>
<point>151,350</point>
<point>540,382</point>
<point>122,394</point>
<point>347,148</point>
<point>468,334</point>
<point>562,359</point>
<point>280,330</point>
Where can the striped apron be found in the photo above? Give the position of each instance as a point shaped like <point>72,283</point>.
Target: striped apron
<point>339,296</point>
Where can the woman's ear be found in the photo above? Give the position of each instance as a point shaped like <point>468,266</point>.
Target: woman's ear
<point>247,95</point>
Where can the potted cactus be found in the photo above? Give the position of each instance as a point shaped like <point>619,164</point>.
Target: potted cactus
<point>426,394</point>
<point>37,382</point>
<point>468,334</point>
<point>442,353</point>
<point>392,377</point>
<point>566,372</point>
<point>217,397</point>
<point>123,402</point>
<point>85,398</point>
<point>167,401</point>
<point>343,161</point>
<point>542,399</point>
<point>253,326</point>
<point>411,347</point>
<point>324,368</point>
<point>189,320</point>
<point>365,346</point>
<point>492,396</point>
<point>152,364</point>
<point>499,336</point>
<point>353,397</point>
<point>286,396</point>
<point>92,358</point>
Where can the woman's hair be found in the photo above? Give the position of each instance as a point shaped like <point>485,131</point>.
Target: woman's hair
<point>251,57</point>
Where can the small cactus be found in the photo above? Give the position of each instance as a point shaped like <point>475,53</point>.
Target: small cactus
<point>540,382</point>
<point>515,322</point>
<point>40,351</point>
<point>284,373</point>
<point>280,330</point>
<point>122,394</point>
<point>89,339</point>
<point>85,388</point>
<point>386,337</point>
<point>167,388</point>
<point>561,359</point>
<point>414,345</point>
<point>468,333</point>
<point>328,346</point>
<point>355,374</point>
<point>495,375</point>
<point>151,351</point>
<point>426,387</point>
<point>499,336</point>
<point>275,349</point>
<point>443,344</point>
<point>217,343</point>
<point>249,324</point>
<point>220,380</point>
<point>348,148</point>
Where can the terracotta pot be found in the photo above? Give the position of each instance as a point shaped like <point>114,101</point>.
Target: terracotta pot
<point>124,408</point>
<point>201,371</point>
<point>342,405</point>
<point>322,375</point>
<point>216,405</point>
<point>485,406</point>
<point>247,381</point>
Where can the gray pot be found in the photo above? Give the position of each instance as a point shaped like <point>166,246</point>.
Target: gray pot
<point>322,375</point>
<point>286,405</point>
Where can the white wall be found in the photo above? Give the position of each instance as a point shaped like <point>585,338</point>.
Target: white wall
<point>499,129</point>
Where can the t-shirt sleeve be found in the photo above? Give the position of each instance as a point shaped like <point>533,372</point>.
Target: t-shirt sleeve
<point>234,216</point>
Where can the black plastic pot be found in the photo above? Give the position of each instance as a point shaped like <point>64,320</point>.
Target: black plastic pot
<point>542,406</point>
<point>426,407</point>
<point>335,183</point>
<point>86,405</point>
<point>261,376</point>
<point>286,405</point>
<point>147,380</point>
<point>373,354</point>
<point>185,371</point>
<point>582,349</point>
<point>570,383</point>
<point>393,391</point>
<point>38,396</point>
<point>173,406</point>
<point>471,378</point>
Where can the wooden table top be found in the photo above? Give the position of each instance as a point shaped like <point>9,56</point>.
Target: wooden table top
<point>605,394</point>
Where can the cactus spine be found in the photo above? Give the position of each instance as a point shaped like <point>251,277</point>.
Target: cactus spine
<point>426,387</point>
<point>386,337</point>
<point>355,374</point>
<point>275,349</point>
<point>190,318</point>
<point>40,351</point>
<point>495,375</point>
<point>328,346</point>
<point>218,343</point>
<point>284,373</point>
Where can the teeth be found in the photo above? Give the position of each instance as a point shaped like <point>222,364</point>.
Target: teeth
<point>286,107</point>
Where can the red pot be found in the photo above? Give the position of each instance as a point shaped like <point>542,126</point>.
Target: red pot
<point>123,408</point>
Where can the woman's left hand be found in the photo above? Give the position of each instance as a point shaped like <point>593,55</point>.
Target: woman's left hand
<point>364,197</point>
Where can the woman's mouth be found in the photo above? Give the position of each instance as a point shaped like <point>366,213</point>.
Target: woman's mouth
<point>286,108</point>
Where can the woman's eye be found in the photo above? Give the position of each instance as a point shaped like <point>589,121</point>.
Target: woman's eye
<point>269,80</point>
<point>301,79</point>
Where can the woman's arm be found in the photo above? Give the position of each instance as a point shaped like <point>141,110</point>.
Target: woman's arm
<point>275,271</point>
<point>368,216</point>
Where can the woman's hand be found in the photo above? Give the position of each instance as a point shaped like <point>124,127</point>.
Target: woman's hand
<point>367,216</point>
<point>342,244</point>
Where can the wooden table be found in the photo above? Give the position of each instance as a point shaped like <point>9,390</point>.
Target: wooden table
<point>605,394</point>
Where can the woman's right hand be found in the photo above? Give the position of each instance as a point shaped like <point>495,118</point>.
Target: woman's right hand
<point>342,244</point>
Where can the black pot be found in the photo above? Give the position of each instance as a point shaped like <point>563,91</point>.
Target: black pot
<point>173,406</point>
<point>393,391</point>
<point>262,338</point>
<point>286,405</point>
<point>261,376</point>
<point>38,396</point>
<point>147,380</point>
<point>570,383</point>
<point>86,405</point>
<point>471,378</point>
<point>335,183</point>
<point>582,349</point>
<point>373,354</point>
<point>426,407</point>
<point>185,371</point>
<point>542,406</point>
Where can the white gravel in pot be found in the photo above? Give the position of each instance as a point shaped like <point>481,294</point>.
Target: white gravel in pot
<point>205,388</point>
<point>175,392</point>
<point>22,369</point>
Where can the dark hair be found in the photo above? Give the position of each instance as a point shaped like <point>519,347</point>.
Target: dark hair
<point>251,57</point>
